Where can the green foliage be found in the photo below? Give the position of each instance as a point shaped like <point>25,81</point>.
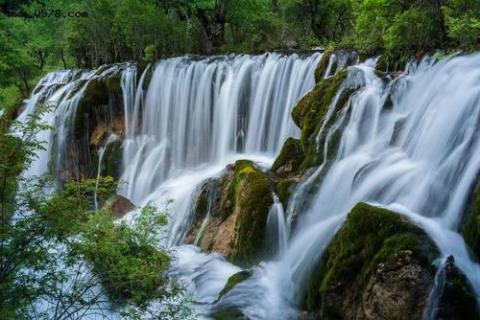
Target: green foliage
<point>125,259</point>
<point>462,19</point>
<point>412,30</point>
<point>46,239</point>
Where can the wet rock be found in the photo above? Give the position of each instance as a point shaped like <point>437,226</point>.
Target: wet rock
<point>458,300</point>
<point>99,114</point>
<point>470,227</point>
<point>332,62</point>
<point>119,206</point>
<point>229,314</point>
<point>231,218</point>
<point>378,266</point>
<point>234,280</point>
<point>310,114</point>
<point>289,159</point>
<point>322,65</point>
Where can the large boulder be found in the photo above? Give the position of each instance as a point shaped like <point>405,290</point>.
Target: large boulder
<point>119,206</point>
<point>470,227</point>
<point>231,213</point>
<point>378,266</point>
<point>457,301</point>
<point>310,115</point>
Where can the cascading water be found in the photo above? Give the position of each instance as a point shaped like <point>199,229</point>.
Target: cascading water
<point>111,138</point>
<point>409,144</point>
<point>61,93</point>
<point>418,157</point>
<point>277,231</point>
<point>199,112</point>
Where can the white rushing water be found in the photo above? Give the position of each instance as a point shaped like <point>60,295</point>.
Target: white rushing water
<point>418,156</point>
<point>199,112</point>
<point>410,144</point>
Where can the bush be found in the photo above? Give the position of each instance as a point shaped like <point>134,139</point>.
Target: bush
<point>125,259</point>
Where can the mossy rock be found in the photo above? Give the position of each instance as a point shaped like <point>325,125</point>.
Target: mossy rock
<point>253,198</point>
<point>290,158</point>
<point>113,84</point>
<point>322,65</point>
<point>99,113</point>
<point>112,160</point>
<point>229,314</point>
<point>234,280</point>
<point>376,252</point>
<point>237,221</point>
<point>309,114</point>
<point>458,301</point>
<point>470,229</point>
<point>284,190</point>
<point>95,95</point>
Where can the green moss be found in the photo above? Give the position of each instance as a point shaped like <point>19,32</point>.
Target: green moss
<point>95,94</point>
<point>322,65</point>
<point>241,200</point>
<point>234,280</point>
<point>471,227</point>
<point>113,84</point>
<point>284,190</point>
<point>253,198</point>
<point>112,160</point>
<point>290,157</point>
<point>309,114</point>
<point>370,236</point>
<point>389,62</point>
<point>228,314</point>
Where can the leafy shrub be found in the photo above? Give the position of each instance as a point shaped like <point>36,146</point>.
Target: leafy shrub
<point>124,258</point>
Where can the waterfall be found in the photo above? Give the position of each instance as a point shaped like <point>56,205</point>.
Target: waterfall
<point>409,144</point>
<point>277,232</point>
<point>60,92</point>
<point>203,111</point>
<point>418,157</point>
<point>50,91</point>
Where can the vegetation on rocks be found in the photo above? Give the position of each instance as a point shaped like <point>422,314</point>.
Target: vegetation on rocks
<point>54,247</point>
<point>238,213</point>
<point>471,225</point>
<point>310,115</point>
<point>378,263</point>
<point>234,280</point>
<point>129,266</point>
<point>289,159</point>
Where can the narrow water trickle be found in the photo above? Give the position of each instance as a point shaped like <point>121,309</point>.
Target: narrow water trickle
<point>111,138</point>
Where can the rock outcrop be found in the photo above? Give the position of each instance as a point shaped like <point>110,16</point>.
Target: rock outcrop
<point>231,213</point>
<point>310,115</point>
<point>378,266</point>
<point>99,114</point>
<point>457,301</point>
<point>119,206</point>
<point>381,266</point>
<point>470,227</point>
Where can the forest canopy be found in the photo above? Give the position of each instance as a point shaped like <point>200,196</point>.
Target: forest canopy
<point>39,36</point>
